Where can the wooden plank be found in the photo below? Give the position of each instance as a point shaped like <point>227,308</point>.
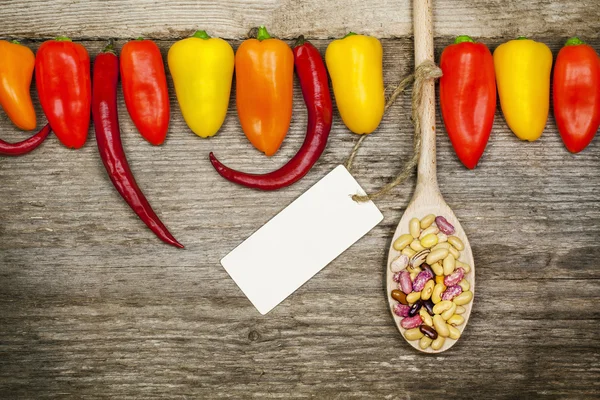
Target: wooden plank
<point>290,18</point>
<point>93,305</point>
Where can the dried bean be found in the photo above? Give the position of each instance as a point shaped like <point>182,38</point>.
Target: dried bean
<point>438,343</point>
<point>454,332</point>
<point>414,309</point>
<point>429,241</point>
<point>456,320</point>
<point>463,298</point>
<point>464,284</point>
<point>428,305</point>
<point>413,334</point>
<point>405,282</point>
<point>456,242</point>
<point>427,320</point>
<point>449,312</point>
<point>437,268</point>
<point>419,258</point>
<point>449,264</point>
<point>414,227</point>
<point>440,325</point>
<point>444,226</point>
<point>427,290</point>
<point>422,279</point>
<point>399,296</point>
<point>438,289</point>
<point>436,256</point>
<point>424,342</point>
<point>442,237</point>
<point>401,310</point>
<point>442,306</point>
<point>402,241</point>
<point>411,322</point>
<point>452,292</point>
<point>466,267</point>
<point>407,251</point>
<point>432,230</point>
<point>427,221</point>
<point>396,277</point>
<point>412,297</point>
<point>455,277</point>
<point>416,245</point>
<point>399,263</point>
<point>429,331</point>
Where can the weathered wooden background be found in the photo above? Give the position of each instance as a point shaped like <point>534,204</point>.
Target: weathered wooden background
<point>92,305</point>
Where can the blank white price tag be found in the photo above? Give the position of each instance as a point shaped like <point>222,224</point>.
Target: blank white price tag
<point>301,240</point>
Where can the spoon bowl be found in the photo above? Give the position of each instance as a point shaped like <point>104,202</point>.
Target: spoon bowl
<point>427,198</point>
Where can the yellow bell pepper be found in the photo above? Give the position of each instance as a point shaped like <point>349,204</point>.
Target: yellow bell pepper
<point>202,70</point>
<point>523,76</point>
<point>355,64</point>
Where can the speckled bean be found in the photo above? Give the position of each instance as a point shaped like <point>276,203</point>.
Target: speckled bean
<point>454,332</point>
<point>425,317</point>
<point>438,289</point>
<point>427,290</point>
<point>402,241</point>
<point>436,256</point>
<point>405,282</point>
<point>437,268</point>
<point>440,325</point>
<point>451,292</point>
<point>456,320</point>
<point>445,226</point>
<point>460,310</point>
<point>411,322</point>
<point>455,277</point>
<point>396,277</point>
<point>421,280</point>
<point>413,334</point>
<point>428,331</point>
<point>464,284</point>
<point>414,227</point>
<point>425,342</point>
<point>399,296</point>
<point>463,298</point>
<point>438,343</point>
<point>401,310</point>
<point>399,263</point>
<point>427,220</point>
<point>442,306</point>
<point>449,264</point>
<point>456,242</point>
<point>412,297</point>
<point>419,258</point>
<point>448,313</point>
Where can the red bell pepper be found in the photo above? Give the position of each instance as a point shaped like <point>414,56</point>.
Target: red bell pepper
<point>145,89</point>
<point>577,94</point>
<point>62,74</point>
<point>468,97</point>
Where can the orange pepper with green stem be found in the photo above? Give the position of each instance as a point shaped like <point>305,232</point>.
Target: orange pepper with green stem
<point>16,70</point>
<point>264,71</point>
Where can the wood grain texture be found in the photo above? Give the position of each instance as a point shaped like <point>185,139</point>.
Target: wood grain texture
<point>290,18</point>
<point>92,305</point>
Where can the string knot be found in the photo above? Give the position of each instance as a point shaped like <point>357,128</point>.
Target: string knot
<point>425,72</point>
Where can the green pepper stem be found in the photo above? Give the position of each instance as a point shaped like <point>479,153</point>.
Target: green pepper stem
<point>62,39</point>
<point>110,47</point>
<point>463,39</point>
<point>262,33</point>
<point>139,38</point>
<point>574,41</point>
<point>522,38</point>
<point>15,42</point>
<point>201,35</point>
<point>300,41</point>
<point>349,34</point>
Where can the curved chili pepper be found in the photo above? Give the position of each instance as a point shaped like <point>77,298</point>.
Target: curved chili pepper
<point>315,89</point>
<point>25,146</point>
<point>108,136</point>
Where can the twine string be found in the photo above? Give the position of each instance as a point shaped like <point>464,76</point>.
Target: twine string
<point>423,73</point>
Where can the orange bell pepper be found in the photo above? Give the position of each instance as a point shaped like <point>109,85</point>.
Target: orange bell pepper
<point>264,71</point>
<point>16,70</point>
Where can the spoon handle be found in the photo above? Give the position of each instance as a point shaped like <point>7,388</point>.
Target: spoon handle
<point>423,29</point>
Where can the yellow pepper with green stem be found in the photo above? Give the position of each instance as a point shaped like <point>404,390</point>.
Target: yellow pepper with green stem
<point>202,70</point>
<point>355,65</point>
<point>523,76</point>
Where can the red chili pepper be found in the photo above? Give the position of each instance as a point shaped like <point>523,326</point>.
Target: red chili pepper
<point>62,74</point>
<point>312,75</point>
<point>468,97</point>
<point>25,146</point>
<point>108,136</point>
<point>577,94</point>
<point>145,89</point>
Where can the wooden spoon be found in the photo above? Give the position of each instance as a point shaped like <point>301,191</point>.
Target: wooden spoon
<point>427,198</point>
